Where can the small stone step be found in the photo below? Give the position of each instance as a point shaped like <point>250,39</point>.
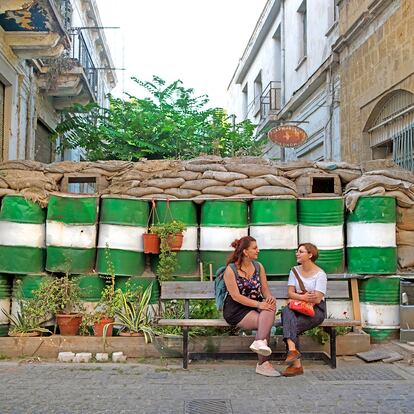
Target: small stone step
<point>83,357</point>
<point>66,356</point>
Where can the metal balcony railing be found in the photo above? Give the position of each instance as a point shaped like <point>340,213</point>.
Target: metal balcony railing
<point>65,9</point>
<point>270,100</point>
<point>80,52</point>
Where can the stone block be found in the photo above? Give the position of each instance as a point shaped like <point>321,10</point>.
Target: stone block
<point>83,357</point>
<point>66,356</point>
<point>102,357</point>
<point>118,357</point>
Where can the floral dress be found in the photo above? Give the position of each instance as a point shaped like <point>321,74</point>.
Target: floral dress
<point>234,312</point>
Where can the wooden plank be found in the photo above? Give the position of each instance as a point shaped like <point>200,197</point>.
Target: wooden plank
<point>205,290</point>
<point>187,290</point>
<point>222,322</point>
<point>356,307</point>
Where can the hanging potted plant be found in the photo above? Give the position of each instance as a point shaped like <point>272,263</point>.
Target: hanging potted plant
<point>171,239</point>
<point>61,296</point>
<point>151,240</point>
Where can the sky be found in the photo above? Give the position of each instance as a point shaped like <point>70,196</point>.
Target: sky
<point>197,41</point>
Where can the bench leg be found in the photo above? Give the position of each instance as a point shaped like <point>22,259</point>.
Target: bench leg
<point>332,343</point>
<point>185,348</point>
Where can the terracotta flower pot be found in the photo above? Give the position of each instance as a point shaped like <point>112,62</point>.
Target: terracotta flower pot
<point>175,241</point>
<point>68,323</point>
<point>99,327</point>
<point>151,243</point>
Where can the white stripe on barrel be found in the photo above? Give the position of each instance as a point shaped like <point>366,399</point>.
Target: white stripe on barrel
<point>275,237</point>
<point>371,234</point>
<point>379,316</point>
<point>22,234</point>
<point>121,237</point>
<point>220,238</point>
<point>324,237</point>
<point>190,239</point>
<point>64,235</point>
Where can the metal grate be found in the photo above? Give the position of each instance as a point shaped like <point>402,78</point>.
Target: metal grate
<point>207,407</point>
<point>358,374</point>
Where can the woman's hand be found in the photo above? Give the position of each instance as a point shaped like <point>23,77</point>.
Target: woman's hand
<point>311,297</point>
<point>266,306</point>
<point>270,300</point>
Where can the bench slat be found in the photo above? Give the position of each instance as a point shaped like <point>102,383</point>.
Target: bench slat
<point>337,289</point>
<point>222,322</point>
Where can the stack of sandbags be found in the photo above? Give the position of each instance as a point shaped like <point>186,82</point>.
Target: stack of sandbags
<point>27,178</point>
<point>393,182</point>
<point>203,178</point>
<point>405,236</point>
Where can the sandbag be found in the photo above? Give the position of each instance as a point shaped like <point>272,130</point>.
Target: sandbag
<point>225,190</point>
<point>37,195</point>
<point>19,179</point>
<point>121,187</point>
<point>405,256</point>
<point>405,237</point>
<point>187,175</point>
<point>223,176</point>
<point>352,197</point>
<point>206,159</point>
<point>252,170</point>
<point>204,167</point>
<point>396,173</point>
<point>372,165</point>
<point>26,165</point>
<point>249,183</point>
<point>294,165</point>
<point>200,184</point>
<point>163,183</point>
<point>405,218</point>
<point>347,176</point>
<point>292,174</point>
<point>160,196</point>
<point>269,190</point>
<point>182,193</point>
<point>279,181</point>
<point>143,191</point>
<point>334,165</point>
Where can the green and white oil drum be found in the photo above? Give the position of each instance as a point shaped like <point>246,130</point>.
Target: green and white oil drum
<point>22,236</point>
<point>187,257</point>
<point>122,223</point>
<point>371,236</point>
<point>91,287</point>
<point>380,310</point>
<point>71,229</point>
<point>321,222</point>
<point>221,223</point>
<point>274,225</point>
<point>24,287</point>
<point>5,303</point>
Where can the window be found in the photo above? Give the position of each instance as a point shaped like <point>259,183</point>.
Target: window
<point>245,100</point>
<point>302,32</point>
<point>43,145</point>
<point>258,89</point>
<point>333,15</point>
<point>278,55</point>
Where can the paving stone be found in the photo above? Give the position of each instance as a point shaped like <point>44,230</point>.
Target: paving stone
<point>102,357</point>
<point>83,357</point>
<point>118,357</point>
<point>66,356</point>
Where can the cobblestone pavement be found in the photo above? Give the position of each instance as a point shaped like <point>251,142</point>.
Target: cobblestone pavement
<point>154,387</point>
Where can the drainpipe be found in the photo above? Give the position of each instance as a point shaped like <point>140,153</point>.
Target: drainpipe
<point>283,75</point>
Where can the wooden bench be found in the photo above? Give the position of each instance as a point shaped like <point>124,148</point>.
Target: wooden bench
<point>337,289</point>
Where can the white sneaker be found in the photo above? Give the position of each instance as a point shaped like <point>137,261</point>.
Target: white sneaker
<point>267,370</point>
<point>260,347</point>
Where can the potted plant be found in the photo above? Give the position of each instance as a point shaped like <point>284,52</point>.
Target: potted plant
<point>27,321</point>
<point>171,239</point>
<point>133,315</point>
<point>61,296</point>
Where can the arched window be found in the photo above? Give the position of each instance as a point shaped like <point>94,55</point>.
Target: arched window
<point>391,128</point>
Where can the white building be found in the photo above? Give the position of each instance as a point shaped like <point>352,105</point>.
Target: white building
<point>288,75</point>
<point>53,54</point>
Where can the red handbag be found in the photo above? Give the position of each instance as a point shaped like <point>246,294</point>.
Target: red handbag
<point>306,308</point>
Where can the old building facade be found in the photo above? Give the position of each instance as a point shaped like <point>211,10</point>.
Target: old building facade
<point>288,74</point>
<point>376,50</point>
<point>343,70</point>
<point>53,54</point>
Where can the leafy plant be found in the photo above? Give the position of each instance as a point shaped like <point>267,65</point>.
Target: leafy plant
<point>59,295</point>
<point>322,336</point>
<point>133,315</point>
<point>167,258</point>
<point>27,319</point>
<point>171,122</point>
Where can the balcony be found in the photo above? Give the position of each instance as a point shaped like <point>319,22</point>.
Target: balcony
<point>270,105</point>
<point>34,29</point>
<point>72,78</point>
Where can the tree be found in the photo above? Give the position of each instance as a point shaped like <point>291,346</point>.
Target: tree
<point>170,123</point>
